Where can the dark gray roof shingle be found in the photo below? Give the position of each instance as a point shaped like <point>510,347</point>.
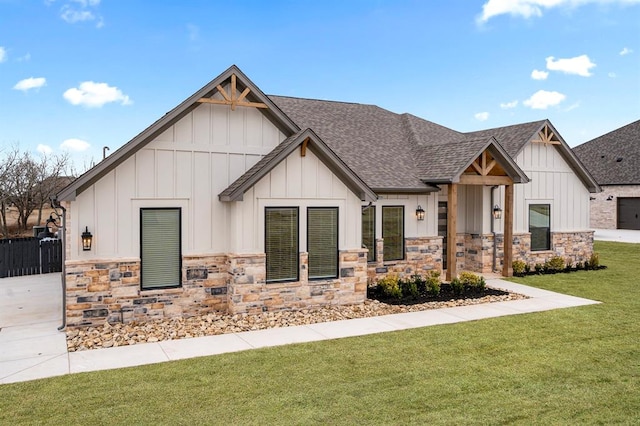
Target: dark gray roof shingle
<point>600,156</point>
<point>396,151</point>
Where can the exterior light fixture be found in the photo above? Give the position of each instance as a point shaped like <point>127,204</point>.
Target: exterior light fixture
<point>420,213</point>
<point>497,212</point>
<point>87,238</point>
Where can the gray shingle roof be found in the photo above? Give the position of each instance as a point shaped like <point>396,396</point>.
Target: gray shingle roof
<point>600,156</point>
<point>395,151</point>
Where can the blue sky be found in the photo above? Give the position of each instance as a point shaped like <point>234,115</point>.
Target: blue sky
<point>78,75</point>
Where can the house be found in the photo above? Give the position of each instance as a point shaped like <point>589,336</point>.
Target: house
<point>235,201</point>
<point>613,160</point>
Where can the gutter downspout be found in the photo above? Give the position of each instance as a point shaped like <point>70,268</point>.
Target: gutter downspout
<point>63,275</point>
<point>493,231</point>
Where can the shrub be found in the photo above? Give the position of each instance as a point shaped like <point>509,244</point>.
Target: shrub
<point>527,268</point>
<point>519,267</point>
<point>469,279</point>
<point>457,286</point>
<point>409,287</point>
<point>539,268</point>
<point>555,264</point>
<point>594,261</point>
<point>432,283</point>
<point>389,287</point>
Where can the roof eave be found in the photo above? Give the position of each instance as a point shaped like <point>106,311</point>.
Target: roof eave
<point>274,113</point>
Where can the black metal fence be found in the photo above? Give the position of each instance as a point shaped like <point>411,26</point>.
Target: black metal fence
<point>29,256</point>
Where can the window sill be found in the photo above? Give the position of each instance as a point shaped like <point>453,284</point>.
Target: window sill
<point>160,290</point>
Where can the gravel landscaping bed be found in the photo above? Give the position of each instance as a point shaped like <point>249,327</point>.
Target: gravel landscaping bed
<point>112,335</point>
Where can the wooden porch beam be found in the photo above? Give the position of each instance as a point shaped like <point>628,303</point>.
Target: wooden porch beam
<point>452,222</point>
<point>485,180</point>
<point>223,102</point>
<point>507,267</point>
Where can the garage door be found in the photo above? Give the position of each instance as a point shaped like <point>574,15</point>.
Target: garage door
<point>628,213</point>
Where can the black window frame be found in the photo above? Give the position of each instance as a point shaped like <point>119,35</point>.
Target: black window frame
<point>547,246</point>
<point>297,248</point>
<point>179,278</point>
<point>337,244</point>
<point>372,256</point>
<point>401,207</point>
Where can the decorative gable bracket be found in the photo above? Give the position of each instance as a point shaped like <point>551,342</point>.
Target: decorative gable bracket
<point>233,98</point>
<point>546,136</point>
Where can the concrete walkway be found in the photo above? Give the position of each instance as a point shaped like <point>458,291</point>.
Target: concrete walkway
<point>617,235</point>
<point>32,348</point>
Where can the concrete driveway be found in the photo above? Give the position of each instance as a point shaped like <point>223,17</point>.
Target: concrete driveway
<point>617,235</point>
<point>30,314</point>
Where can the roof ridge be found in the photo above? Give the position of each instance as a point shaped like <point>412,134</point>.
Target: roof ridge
<point>326,100</point>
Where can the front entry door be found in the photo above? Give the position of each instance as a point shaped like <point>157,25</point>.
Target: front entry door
<point>442,230</point>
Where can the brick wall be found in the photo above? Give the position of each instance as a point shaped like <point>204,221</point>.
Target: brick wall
<point>604,214</point>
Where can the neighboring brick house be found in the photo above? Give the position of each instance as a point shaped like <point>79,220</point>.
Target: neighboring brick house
<point>614,161</point>
<point>235,201</point>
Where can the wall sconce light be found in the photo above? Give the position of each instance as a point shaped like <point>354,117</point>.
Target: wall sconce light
<point>497,212</point>
<point>610,198</point>
<point>420,213</point>
<point>87,238</point>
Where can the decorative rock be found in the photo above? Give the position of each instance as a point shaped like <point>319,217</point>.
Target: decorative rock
<point>119,334</point>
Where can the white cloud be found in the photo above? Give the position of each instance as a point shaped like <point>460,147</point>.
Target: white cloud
<point>30,83</point>
<point>44,149</point>
<point>24,58</point>
<point>625,51</point>
<point>580,65</point>
<point>572,107</point>
<point>3,54</point>
<point>543,99</point>
<point>612,75</point>
<point>74,145</point>
<point>91,94</point>
<point>193,31</point>
<point>533,8</point>
<point>539,75</point>
<point>74,15</point>
<point>482,116</point>
<point>80,11</point>
<point>509,105</point>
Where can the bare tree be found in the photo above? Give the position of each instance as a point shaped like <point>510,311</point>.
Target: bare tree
<point>28,182</point>
<point>7,165</point>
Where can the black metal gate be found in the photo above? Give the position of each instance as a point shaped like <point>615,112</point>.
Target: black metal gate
<point>29,256</point>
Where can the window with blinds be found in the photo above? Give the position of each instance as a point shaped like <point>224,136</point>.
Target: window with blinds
<point>160,247</point>
<point>393,232</point>
<point>540,226</point>
<point>369,231</point>
<point>322,242</point>
<point>281,243</point>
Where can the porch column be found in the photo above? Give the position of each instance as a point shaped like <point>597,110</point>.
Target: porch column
<point>507,267</point>
<point>452,219</point>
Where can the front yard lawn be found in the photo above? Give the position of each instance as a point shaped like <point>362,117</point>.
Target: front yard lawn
<point>568,366</point>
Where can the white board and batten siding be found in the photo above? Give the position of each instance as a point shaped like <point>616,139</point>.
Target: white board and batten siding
<point>296,182</point>
<point>187,166</point>
<point>552,182</point>
<point>412,226</point>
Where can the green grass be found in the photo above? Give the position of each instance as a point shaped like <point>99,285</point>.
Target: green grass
<point>569,366</point>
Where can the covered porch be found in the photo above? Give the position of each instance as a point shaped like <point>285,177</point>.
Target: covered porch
<point>479,241</point>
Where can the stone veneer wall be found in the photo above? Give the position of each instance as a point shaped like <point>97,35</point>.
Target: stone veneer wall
<point>604,214</point>
<point>573,247</point>
<point>109,290</point>
<point>249,292</point>
<point>422,254</point>
<point>478,253</point>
